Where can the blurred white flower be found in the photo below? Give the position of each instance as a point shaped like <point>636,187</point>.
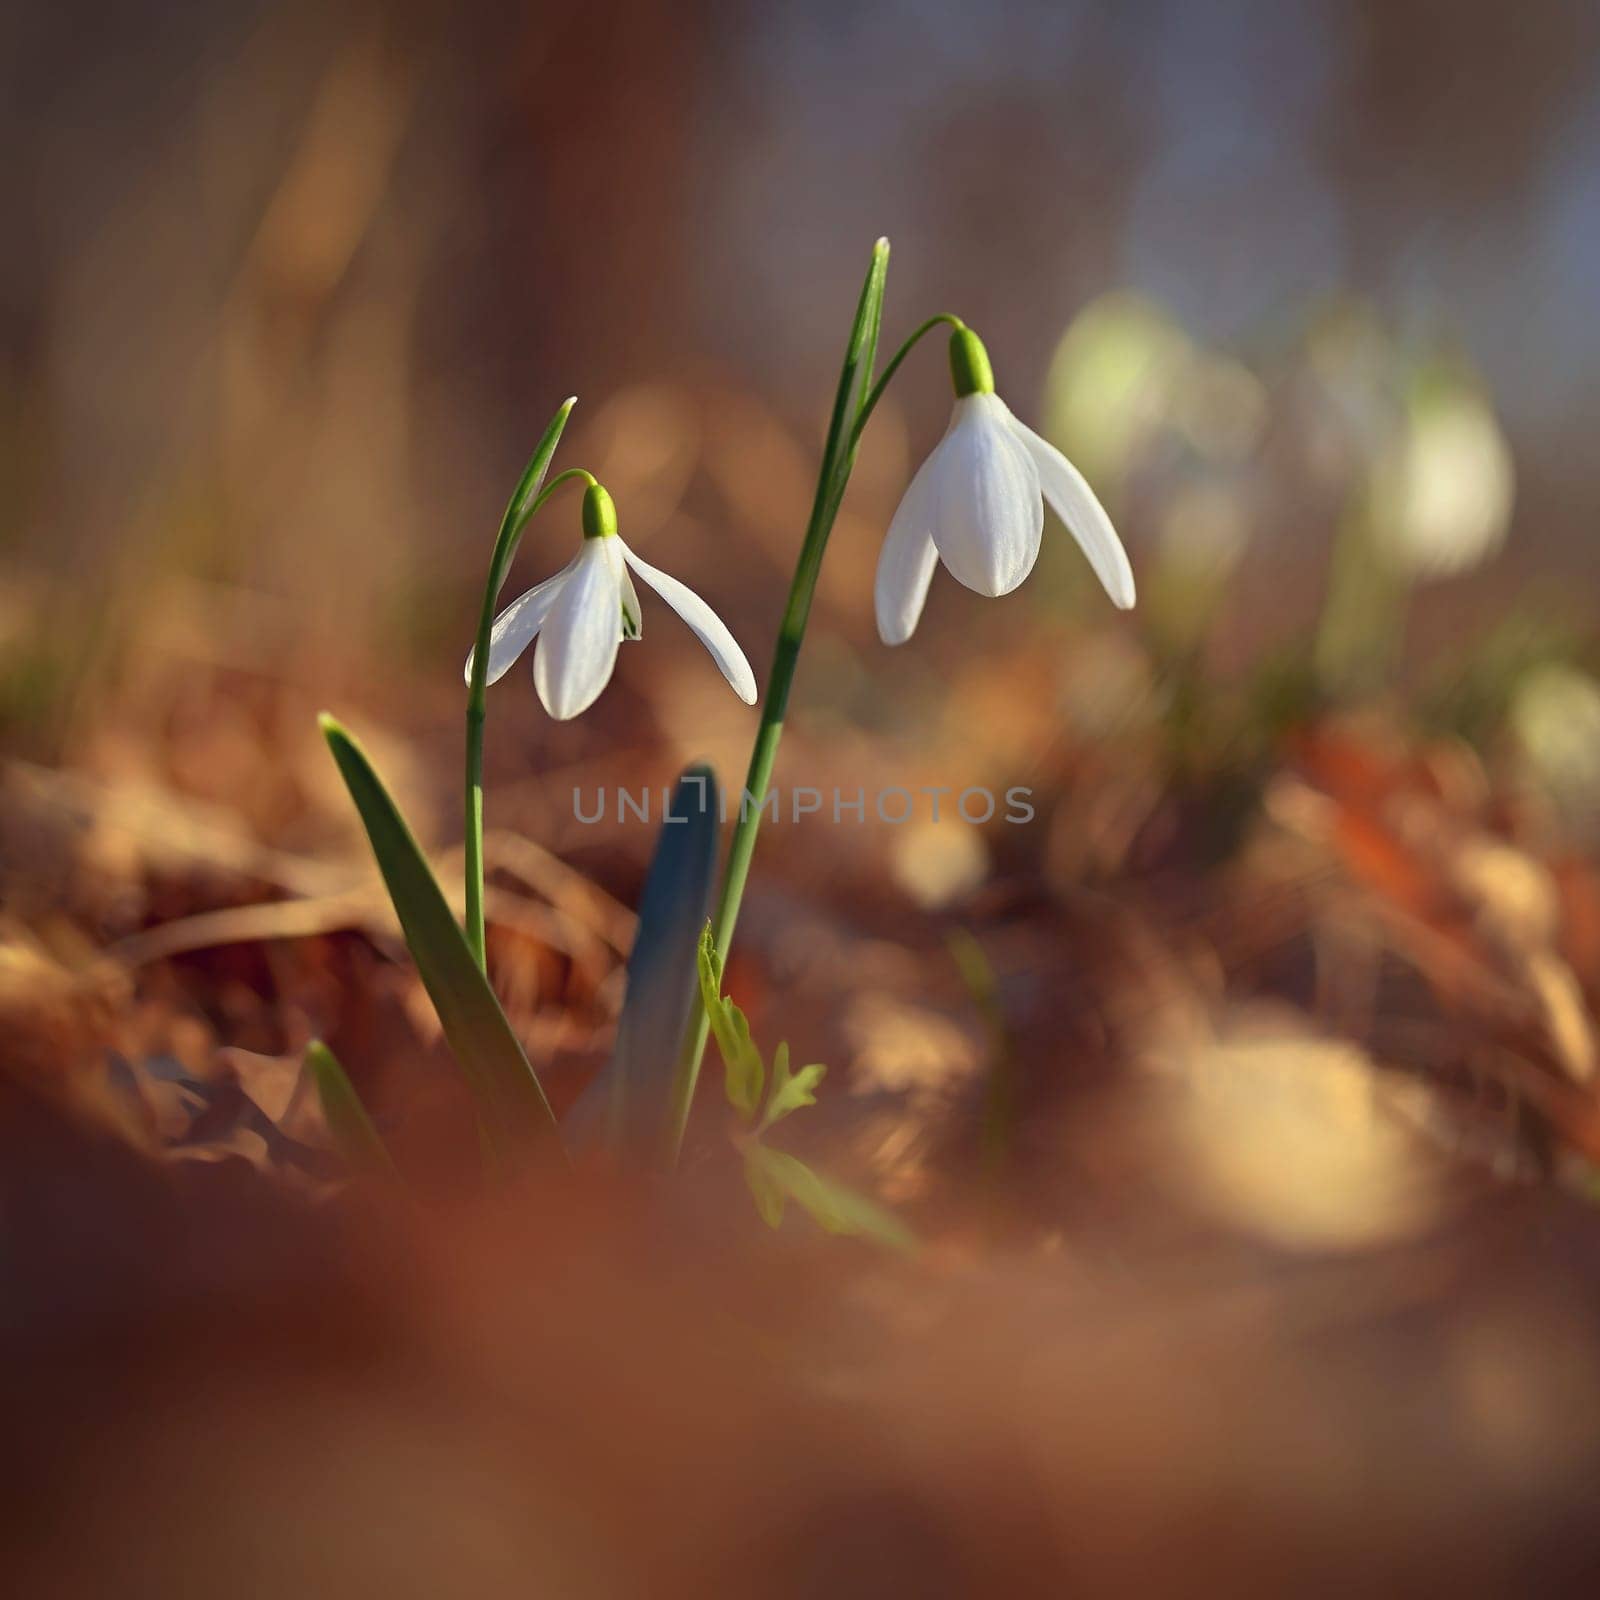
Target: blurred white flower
<point>1116,378</point>
<point>977,503</point>
<point>585,612</point>
<point>1444,496</point>
<point>1556,716</point>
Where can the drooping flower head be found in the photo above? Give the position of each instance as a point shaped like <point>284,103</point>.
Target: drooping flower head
<point>977,504</point>
<point>586,610</point>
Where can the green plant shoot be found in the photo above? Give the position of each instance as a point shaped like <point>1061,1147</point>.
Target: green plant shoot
<point>775,1177</point>
<point>511,1102</point>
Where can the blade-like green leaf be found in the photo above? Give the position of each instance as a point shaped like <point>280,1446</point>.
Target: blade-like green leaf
<point>524,499</point>
<point>520,506</point>
<point>837,458</point>
<point>511,1102</point>
<point>831,1205</point>
<point>855,378</point>
<point>869,319</point>
<point>862,350</point>
<point>630,1096</point>
<point>344,1113</point>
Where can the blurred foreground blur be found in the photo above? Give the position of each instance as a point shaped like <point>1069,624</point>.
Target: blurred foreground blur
<point>1245,1094</point>
<point>590,1389</point>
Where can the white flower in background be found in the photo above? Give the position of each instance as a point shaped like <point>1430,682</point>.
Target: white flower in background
<point>1555,714</point>
<point>585,612</point>
<point>1116,380</point>
<point>977,504</point>
<point>1444,495</point>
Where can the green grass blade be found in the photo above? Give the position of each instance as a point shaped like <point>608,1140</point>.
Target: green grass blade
<point>344,1113</point>
<point>855,379</point>
<point>519,509</point>
<point>630,1097</point>
<point>838,455</point>
<point>511,1101</point>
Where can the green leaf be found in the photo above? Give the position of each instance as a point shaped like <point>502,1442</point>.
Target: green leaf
<point>838,455</point>
<point>344,1113</point>
<point>520,507</point>
<point>524,500</point>
<point>789,1093</point>
<point>768,1194</point>
<point>831,1205</point>
<point>744,1072</point>
<point>512,1105</point>
<point>862,352</point>
<point>630,1095</point>
<point>855,378</point>
<point>708,964</point>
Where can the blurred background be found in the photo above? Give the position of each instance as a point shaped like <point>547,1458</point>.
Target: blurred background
<point>310,278</point>
<point>1300,955</point>
<point>1308,289</point>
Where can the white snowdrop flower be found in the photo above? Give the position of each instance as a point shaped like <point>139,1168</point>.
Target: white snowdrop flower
<point>1445,493</point>
<point>1555,714</point>
<point>586,610</point>
<point>977,504</point>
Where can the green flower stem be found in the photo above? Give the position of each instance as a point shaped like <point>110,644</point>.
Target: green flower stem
<point>525,501</point>
<point>838,459</point>
<point>875,394</point>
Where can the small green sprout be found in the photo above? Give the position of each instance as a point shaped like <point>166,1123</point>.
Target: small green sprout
<point>774,1176</point>
<point>352,1130</point>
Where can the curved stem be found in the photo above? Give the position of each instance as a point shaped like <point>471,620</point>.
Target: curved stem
<point>875,394</point>
<point>838,459</point>
<point>525,501</point>
<point>571,475</point>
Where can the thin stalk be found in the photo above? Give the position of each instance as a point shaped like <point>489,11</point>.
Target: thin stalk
<point>838,460</point>
<point>525,501</point>
<point>875,394</point>
<point>837,455</point>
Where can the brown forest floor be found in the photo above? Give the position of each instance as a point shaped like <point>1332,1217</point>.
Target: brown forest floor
<point>1261,1246</point>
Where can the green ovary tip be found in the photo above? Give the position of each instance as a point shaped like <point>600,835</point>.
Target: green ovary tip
<point>599,513</point>
<point>970,371</point>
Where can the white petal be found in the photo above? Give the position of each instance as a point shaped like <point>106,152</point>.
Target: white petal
<point>988,516</point>
<point>907,560</point>
<point>1074,502</point>
<point>515,627</point>
<point>706,623</point>
<point>578,647</point>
